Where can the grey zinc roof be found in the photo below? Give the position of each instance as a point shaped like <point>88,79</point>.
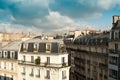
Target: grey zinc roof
<point>102,35</point>
<point>13,45</point>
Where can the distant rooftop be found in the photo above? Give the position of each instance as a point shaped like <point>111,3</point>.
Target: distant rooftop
<point>13,45</point>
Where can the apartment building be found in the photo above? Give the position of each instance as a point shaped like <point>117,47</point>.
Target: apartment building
<point>43,60</point>
<point>95,56</point>
<point>114,50</point>
<point>8,61</point>
<point>89,56</point>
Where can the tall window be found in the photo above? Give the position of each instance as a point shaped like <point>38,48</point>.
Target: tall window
<point>35,47</point>
<point>48,47</point>
<point>5,54</point>
<point>12,77</point>
<point>12,55</point>
<point>23,72</point>
<point>11,66</point>
<point>24,47</point>
<point>48,74</point>
<point>4,65</point>
<point>116,35</point>
<point>48,60</point>
<point>32,73</point>
<point>63,59</point>
<point>32,59</point>
<point>63,74</point>
<point>24,58</point>
<point>38,73</point>
<point>116,46</point>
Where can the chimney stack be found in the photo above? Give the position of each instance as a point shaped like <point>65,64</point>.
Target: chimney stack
<point>115,19</point>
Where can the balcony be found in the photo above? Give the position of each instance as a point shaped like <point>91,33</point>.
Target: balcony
<point>21,62</point>
<point>31,74</point>
<point>47,77</point>
<point>112,51</point>
<point>23,73</point>
<point>38,75</point>
<point>64,77</point>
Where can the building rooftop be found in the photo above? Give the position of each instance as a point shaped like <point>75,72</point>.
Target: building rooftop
<point>37,40</point>
<point>13,45</point>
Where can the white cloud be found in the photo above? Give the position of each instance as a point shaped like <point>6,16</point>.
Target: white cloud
<point>54,22</point>
<point>12,28</point>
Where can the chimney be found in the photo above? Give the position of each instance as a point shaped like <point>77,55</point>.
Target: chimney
<point>115,19</point>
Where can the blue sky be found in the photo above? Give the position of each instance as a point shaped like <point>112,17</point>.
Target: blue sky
<point>49,16</point>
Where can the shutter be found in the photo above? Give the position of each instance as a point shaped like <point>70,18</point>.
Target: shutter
<point>21,50</point>
<point>54,48</point>
<point>42,47</point>
<point>30,47</point>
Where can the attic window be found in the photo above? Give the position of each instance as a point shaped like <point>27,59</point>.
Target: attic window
<point>24,47</point>
<point>12,54</point>
<point>48,47</point>
<point>5,54</point>
<point>35,47</point>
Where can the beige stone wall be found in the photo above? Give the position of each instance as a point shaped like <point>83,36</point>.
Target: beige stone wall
<point>8,70</point>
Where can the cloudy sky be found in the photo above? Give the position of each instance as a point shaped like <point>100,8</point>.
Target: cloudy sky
<point>52,16</point>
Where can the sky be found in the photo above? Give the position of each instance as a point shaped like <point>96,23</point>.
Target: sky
<point>56,16</point>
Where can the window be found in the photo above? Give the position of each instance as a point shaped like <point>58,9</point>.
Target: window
<point>48,47</point>
<point>4,65</point>
<point>24,58</point>
<point>23,72</point>
<point>5,54</point>
<point>35,47</point>
<point>12,77</point>
<point>12,55</point>
<point>48,74</point>
<point>5,77</point>
<point>11,66</point>
<point>48,60</point>
<point>63,59</point>
<point>23,78</point>
<point>24,47</point>
<point>113,74</point>
<point>63,74</point>
<point>38,73</point>
<point>32,59</point>
<point>32,73</point>
<point>116,35</point>
<point>101,50</point>
<point>116,46</point>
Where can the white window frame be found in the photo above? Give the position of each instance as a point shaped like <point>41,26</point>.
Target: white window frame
<point>12,54</point>
<point>5,54</point>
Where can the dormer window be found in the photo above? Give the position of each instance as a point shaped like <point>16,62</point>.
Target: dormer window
<point>24,47</point>
<point>5,54</point>
<point>12,54</point>
<point>48,47</point>
<point>35,47</point>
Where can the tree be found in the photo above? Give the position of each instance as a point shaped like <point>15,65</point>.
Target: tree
<point>37,61</point>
